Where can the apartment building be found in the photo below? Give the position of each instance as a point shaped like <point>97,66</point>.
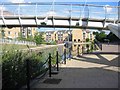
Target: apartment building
<point>79,36</point>
<point>76,35</point>
<point>50,36</point>
<point>27,31</point>
<point>13,33</point>
<point>59,36</point>
<point>88,34</point>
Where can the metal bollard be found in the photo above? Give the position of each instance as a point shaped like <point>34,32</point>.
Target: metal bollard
<point>57,60</point>
<point>78,51</point>
<point>49,64</point>
<point>64,56</point>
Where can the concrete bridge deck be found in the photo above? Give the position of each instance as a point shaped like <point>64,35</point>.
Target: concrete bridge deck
<point>87,71</point>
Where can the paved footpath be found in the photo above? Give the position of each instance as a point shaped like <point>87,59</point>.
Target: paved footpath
<point>87,71</point>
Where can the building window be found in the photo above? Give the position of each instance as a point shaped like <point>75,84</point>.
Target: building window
<point>29,31</point>
<point>78,40</point>
<point>83,35</point>
<point>91,36</point>
<point>78,45</point>
<point>74,40</point>
<point>16,33</point>
<point>8,32</point>
<point>74,45</point>
<point>55,36</point>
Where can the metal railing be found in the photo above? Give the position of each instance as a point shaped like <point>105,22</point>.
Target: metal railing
<point>7,41</point>
<point>59,9</point>
<point>49,67</point>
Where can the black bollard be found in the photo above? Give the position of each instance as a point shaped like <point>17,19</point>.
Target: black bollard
<point>49,64</point>
<point>57,60</point>
<point>64,56</point>
<point>78,51</point>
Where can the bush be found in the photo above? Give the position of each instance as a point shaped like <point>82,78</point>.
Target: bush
<point>14,68</point>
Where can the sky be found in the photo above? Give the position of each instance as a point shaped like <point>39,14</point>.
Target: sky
<point>64,10</point>
<point>21,1</point>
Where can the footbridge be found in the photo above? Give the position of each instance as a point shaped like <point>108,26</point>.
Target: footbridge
<point>60,15</point>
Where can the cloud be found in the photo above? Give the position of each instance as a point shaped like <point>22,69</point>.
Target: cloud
<point>17,1</point>
<point>107,8</point>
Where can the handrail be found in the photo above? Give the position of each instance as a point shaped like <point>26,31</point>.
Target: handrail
<point>57,3</point>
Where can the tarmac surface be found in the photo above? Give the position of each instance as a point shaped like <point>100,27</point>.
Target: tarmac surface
<point>86,71</point>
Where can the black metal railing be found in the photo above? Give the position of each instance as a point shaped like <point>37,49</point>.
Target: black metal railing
<point>50,67</point>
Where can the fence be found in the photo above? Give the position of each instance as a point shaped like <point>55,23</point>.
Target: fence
<point>17,42</point>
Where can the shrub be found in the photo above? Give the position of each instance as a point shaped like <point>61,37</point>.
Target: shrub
<point>14,68</point>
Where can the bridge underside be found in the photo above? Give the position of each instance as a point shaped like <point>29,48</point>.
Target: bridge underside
<point>55,26</point>
<point>55,22</point>
<point>115,29</point>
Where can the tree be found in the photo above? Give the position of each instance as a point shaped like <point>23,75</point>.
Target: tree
<point>95,33</point>
<point>38,38</point>
<point>100,36</point>
<point>30,38</point>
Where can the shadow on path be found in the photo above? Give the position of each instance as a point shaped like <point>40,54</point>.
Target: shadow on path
<point>101,60</point>
<point>82,78</point>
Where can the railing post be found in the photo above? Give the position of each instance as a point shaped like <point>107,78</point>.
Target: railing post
<point>28,73</point>
<point>49,64</point>
<point>57,60</point>
<point>64,56</point>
